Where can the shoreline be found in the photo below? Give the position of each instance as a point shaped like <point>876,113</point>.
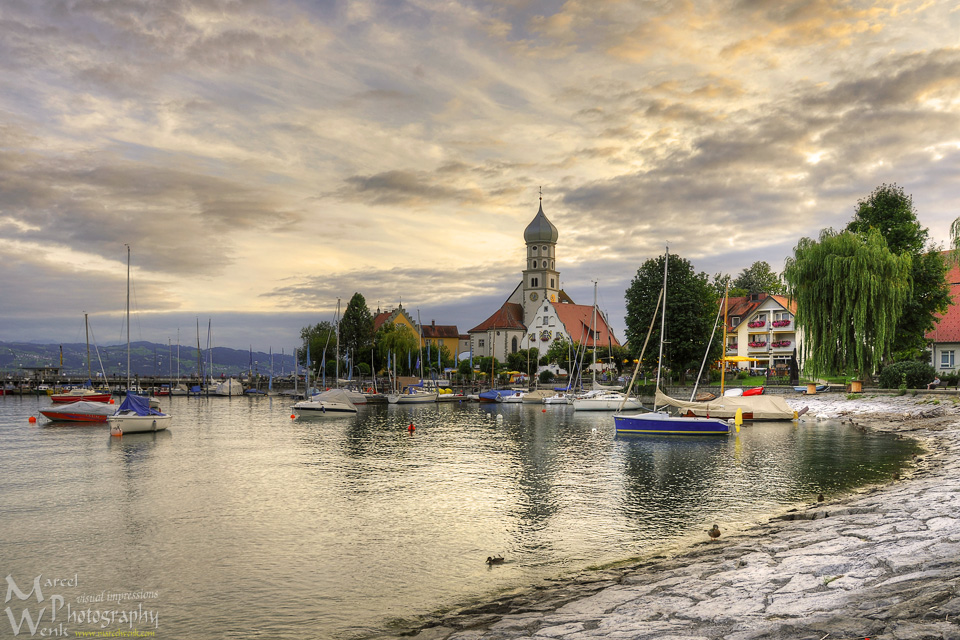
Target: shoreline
<point>859,566</point>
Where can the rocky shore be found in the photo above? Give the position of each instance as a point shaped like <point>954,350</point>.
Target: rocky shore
<point>884,563</point>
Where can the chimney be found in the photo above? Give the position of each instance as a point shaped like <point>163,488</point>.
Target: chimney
<point>433,323</point>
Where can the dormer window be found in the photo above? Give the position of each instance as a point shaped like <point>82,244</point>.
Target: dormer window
<point>734,321</point>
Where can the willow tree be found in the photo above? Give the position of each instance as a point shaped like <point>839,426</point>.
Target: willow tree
<point>850,290</point>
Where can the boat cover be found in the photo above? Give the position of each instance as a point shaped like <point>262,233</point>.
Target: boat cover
<point>139,405</point>
<point>762,407</point>
<point>333,395</point>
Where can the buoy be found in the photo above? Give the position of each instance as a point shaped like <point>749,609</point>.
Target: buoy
<point>32,419</point>
<point>111,401</point>
<point>739,419</point>
<point>293,416</point>
<point>543,410</point>
<point>411,428</point>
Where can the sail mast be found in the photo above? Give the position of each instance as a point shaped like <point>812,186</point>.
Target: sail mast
<point>86,326</point>
<point>128,318</point>
<point>663,323</point>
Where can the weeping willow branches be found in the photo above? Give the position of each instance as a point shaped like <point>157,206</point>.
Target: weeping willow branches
<point>850,290</point>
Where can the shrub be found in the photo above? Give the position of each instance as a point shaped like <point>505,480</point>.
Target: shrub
<point>950,379</point>
<point>546,376</point>
<point>908,374</point>
<point>742,375</point>
<point>714,375</point>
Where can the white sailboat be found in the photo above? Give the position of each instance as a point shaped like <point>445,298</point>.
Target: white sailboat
<point>135,414</point>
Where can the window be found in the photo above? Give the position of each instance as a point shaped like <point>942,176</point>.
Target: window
<point>551,265</point>
<point>513,345</point>
<point>551,283</point>
<point>946,359</point>
<point>534,264</point>
<point>480,343</point>
<point>734,321</point>
<point>533,251</point>
<point>534,282</point>
<point>544,248</point>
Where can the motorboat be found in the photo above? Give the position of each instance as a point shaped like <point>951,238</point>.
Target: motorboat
<point>413,396</point>
<point>516,398</point>
<point>334,402</point>
<point>81,393</point>
<point>79,411</point>
<point>557,398</point>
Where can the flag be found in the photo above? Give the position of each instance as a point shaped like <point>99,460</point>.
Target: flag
<point>409,362</point>
<point>439,363</point>
<point>61,355</point>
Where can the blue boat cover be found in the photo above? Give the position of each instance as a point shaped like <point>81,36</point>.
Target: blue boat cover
<point>139,405</point>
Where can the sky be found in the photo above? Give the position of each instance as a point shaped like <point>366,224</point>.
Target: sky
<point>263,158</point>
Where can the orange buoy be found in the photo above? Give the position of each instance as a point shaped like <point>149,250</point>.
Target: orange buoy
<point>293,416</point>
<point>111,401</point>
<point>543,410</point>
<point>32,419</point>
<point>411,427</point>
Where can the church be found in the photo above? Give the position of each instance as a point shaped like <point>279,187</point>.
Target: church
<point>539,312</point>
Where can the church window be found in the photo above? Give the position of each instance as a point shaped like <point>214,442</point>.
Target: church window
<point>544,249</point>
<point>513,345</point>
<point>534,282</point>
<point>551,265</point>
<point>551,283</point>
<point>534,264</point>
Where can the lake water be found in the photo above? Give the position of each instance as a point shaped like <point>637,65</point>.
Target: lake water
<point>240,522</point>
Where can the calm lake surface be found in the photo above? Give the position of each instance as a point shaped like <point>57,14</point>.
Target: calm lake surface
<point>240,522</point>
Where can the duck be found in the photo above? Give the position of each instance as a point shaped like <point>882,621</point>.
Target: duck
<point>494,559</point>
<point>820,498</point>
<point>714,533</point>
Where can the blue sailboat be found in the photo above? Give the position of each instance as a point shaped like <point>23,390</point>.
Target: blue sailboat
<point>661,422</point>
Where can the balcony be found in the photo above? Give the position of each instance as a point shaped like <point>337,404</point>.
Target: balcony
<point>758,345</point>
<point>781,344</point>
<point>732,348</point>
<point>782,325</point>
<point>756,324</point>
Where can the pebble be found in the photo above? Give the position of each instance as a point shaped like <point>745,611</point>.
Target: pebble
<point>884,563</point>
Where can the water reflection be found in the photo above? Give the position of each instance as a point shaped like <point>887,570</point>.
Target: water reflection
<point>341,523</point>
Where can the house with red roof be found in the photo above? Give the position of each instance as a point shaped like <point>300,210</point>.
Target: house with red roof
<point>945,336</point>
<point>761,330</point>
<point>538,312</point>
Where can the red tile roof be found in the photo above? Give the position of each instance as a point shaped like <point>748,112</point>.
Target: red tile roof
<point>948,324</point>
<point>439,331</point>
<point>509,316</point>
<point>743,306</point>
<point>578,318</point>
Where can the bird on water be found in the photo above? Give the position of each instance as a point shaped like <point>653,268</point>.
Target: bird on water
<point>494,559</point>
<point>714,533</point>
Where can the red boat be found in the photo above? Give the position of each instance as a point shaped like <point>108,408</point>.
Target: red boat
<point>755,391</point>
<point>87,395</point>
<point>80,412</point>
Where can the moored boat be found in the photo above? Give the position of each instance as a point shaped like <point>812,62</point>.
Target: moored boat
<point>328,404</point>
<point>79,411</point>
<point>605,401</point>
<point>81,393</point>
<point>135,415</point>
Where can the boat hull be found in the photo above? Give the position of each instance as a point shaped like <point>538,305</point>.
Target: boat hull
<point>320,409</point>
<point>124,424</point>
<point>663,424</point>
<point>606,404</point>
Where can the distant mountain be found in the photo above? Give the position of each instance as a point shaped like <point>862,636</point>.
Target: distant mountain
<point>146,359</point>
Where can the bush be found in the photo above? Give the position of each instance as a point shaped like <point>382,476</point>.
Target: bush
<point>908,374</point>
<point>546,376</point>
<point>742,375</point>
<point>714,375</point>
<point>950,379</point>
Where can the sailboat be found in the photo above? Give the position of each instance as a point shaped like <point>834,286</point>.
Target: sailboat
<point>83,404</point>
<point>661,422</point>
<point>135,414</point>
<point>330,403</point>
<point>601,398</point>
<point>416,393</point>
<point>179,389</point>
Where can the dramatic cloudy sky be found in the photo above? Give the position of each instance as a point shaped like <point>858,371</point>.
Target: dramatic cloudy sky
<point>265,157</point>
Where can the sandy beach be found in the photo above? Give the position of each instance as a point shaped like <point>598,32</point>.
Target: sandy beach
<point>881,563</point>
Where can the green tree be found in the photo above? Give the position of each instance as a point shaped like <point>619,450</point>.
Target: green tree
<point>562,352</point>
<point>356,328</point>
<point>759,278</point>
<point>691,314</point>
<point>891,212</point>
<point>850,290</point>
<point>524,360</point>
<point>322,339</point>
<point>399,340</point>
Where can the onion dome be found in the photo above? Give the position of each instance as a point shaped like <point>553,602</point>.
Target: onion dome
<point>540,229</point>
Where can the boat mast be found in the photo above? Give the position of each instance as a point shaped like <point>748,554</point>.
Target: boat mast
<point>128,318</point>
<point>86,326</point>
<point>663,324</point>
<point>593,334</point>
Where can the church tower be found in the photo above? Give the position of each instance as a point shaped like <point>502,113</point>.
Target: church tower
<point>541,280</point>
